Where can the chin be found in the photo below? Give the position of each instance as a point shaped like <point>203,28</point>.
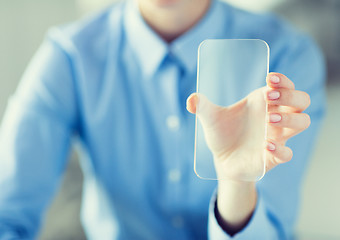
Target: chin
<point>165,3</point>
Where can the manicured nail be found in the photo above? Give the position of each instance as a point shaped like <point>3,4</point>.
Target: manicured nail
<point>273,95</point>
<point>271,146</point>
<point>274,118</point>
<point>274,79</point>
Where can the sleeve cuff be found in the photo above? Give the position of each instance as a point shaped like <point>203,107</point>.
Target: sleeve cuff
<point>259,226</point>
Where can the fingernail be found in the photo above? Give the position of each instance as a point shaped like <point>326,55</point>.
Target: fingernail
<point>274,79</point>
<point>271,146</point>
<point>274,118</point>
<point>273,95</point>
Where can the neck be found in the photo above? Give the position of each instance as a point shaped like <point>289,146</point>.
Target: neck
<point>172,18</point>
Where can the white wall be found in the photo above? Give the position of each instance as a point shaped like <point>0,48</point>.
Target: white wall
<point>23,24</point>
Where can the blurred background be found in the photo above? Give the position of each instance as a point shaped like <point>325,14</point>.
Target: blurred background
<point>23,24</point>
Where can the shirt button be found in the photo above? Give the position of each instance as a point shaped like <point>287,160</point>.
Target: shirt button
<point>174,175</point>
<point>178,222</point>
<point>173,122</point>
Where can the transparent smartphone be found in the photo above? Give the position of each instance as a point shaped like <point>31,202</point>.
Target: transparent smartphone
<point>232,74</point>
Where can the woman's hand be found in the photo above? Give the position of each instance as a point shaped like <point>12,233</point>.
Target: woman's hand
<point>235,135</point>
<point>285,118</point>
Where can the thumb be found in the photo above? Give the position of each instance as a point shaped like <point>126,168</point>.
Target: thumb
<point>205,110</point>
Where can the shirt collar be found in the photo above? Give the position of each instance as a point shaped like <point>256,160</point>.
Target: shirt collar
<point>151,49</point>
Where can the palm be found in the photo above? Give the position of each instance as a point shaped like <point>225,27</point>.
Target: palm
<point>236,135</point>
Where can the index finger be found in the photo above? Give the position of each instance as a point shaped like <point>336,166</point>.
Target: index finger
<point>278,80</point>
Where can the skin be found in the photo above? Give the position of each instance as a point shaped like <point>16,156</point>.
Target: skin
<point>171,18</point>
<point>236,199</point>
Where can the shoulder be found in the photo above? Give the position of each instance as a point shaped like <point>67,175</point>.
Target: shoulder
<point>89,35</point>
<point>276,31</point>
<point>292,52</point>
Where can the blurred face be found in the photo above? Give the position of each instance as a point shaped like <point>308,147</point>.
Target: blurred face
<point>171,18</point>
<point>163,3</point>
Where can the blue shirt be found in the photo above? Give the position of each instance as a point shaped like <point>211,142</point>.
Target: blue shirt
<point>101,83</point>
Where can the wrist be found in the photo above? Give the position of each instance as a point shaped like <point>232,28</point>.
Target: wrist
<point>236,201</point>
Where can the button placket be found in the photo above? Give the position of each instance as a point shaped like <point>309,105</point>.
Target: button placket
<point>173,122</point>
<point>174,175</point>
<point>177,222</point>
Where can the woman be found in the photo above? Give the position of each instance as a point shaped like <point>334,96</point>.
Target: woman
<point>119,82</point>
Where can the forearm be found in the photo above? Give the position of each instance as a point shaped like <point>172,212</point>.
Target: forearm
<point>236,202</point>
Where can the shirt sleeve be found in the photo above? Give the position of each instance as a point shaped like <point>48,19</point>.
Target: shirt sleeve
<point>257,222</point>
<point>35,138</point>
<point>279,191</point>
